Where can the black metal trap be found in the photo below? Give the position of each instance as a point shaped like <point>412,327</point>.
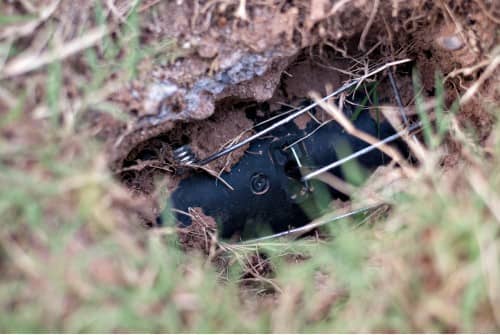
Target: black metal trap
<point>273,186</point>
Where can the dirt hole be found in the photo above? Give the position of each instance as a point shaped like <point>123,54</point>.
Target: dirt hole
<point>321,69</point>
<point>429,40</point>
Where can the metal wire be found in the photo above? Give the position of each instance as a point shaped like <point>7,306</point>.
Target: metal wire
<point>399,101</point>
<point>276,125</point>
<point>361,152</point>
<point>312,225</point>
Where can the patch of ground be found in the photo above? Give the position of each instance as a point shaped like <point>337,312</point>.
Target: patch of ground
<point>146,76</point>
<point>225,127</point>
<point>201,234</point>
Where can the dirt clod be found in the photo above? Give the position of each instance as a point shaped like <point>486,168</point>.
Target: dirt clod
<point>201,234</point>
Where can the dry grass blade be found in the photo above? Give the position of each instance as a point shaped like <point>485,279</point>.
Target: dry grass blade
<point>30,62</point>
<point>490,69</point>
<point>214,174</point>
<point>491,269</point>
<point>337,6</point>
<point>483,189</point>
<point>352,130</point>
<point>413,143</point>
<point>369,23</point>
<point>15,32</point>
<point>337,183</point>
<point>383,68</point>
<point>486,12</point>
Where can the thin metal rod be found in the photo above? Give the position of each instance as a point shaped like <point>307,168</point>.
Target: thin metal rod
<point>275,125</point>
<point>361,152</point>
<point>299,164</point>
<point>308,135</point>
<point>312,225</point>
<point>399,101</point>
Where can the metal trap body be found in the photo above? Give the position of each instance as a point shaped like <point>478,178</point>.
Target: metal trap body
<point>268,192</point>
<point>274,188</point>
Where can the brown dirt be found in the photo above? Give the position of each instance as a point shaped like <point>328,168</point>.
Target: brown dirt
<point>211,135</point>
<point>200,235</point>
<point>255,45</point>
<point>205,137</point>
<point>312,75</point>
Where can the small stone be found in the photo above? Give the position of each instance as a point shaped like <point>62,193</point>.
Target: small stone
<point>452,43</point>
<point>207,50</point>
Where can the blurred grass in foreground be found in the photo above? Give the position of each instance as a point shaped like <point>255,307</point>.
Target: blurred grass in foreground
<point>73,258</point>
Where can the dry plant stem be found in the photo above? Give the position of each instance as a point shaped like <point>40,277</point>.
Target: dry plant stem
<point>468,70</point>
<point>361,152</point>
<point>29,27</point>
<point>308,135</point>
<point>337,6</point>
<point>349,127</point>
<point>147,6</point>
<point>204,226</point>
<point>383,68</point>
<point>153,163</point>
<point>399,100</point>
<point>245,262</point>
<point>486,12</point>
<point>489,251</point>
<point>491,269</point>
<point>21,259</point>
<point>4,54</point>
<point>373,14</point>
<point>27,63</point>
<point>214,174</point>
<point>367,196</point>
<point>274,126</point>
<point>121,17</point>
<point>490,69</point>
<point>337,183</point>
<point>229,156</point>
<point>413,143</point>
<point>212,251</point>
<point>241,12</point>
<point>482,188</point>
